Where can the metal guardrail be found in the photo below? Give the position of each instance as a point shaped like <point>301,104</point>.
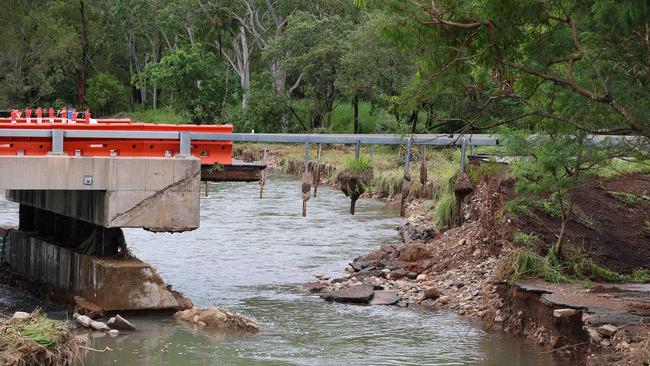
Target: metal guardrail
<point>186,138</point>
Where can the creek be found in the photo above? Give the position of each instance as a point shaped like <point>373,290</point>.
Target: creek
<point>252,256</point>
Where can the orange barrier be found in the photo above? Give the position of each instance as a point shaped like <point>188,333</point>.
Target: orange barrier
<point>210,152</point>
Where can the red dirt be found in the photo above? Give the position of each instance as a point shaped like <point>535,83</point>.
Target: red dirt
<point>615,234</point>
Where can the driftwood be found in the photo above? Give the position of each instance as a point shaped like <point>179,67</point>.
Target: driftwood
<point>406,190</point>
<point>353,185</point>
<point>306,191</point>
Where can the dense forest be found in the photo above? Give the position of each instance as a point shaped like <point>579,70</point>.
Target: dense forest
<point>338,65</point>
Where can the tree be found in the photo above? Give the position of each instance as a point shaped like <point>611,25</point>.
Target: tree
<point>582,63</point>
<point>106,95</point>
<point>372,67</point>
<point>197,79</point>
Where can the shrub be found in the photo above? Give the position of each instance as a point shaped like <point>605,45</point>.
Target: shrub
<point>106,95</point>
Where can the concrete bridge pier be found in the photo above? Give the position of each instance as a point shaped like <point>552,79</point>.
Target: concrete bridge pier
<point>71,215</point>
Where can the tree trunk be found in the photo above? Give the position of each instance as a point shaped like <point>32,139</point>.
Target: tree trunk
<point>355,105</point>
<point>565,214</point>
<point>414,121</point>
<point>83,76</point>
<point>279,85</point>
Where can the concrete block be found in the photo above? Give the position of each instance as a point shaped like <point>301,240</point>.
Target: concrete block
<point>160,193</point>
<point>112,284</point>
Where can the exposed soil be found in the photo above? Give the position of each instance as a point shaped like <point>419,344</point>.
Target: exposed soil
<point>611,222</point>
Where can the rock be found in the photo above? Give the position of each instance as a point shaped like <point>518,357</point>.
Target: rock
<point>318,275</point>
<point>385,271</point>
<point>83,320</point>
<point>113,332</point>
<point>398,273</point>
<point>554,342</point>
<point>99,326</point>
<point>564,313</point>
<point>313,287</point>
<point>20,315</point>
<point>444,299</point>
<point>607,330</point>
<point>430,294</point>
<point>605,343</point>
<point>216,318</point>
<point>413,252</point>
<point>498,319</point>
<point>411,275</point>
<point>421,277</point>
<point>354,294</point>
<point>384,297</point>
<point>477,253</point>
<point>119,323</point>
<point>594,335</point>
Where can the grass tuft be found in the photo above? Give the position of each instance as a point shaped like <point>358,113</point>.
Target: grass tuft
<point>358,166</point>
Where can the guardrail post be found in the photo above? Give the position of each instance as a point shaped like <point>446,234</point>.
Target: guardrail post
<point>57,143</point>
<point>357,150</point>
<point>407,159</point>
<point>186,145</point>
<point>463,150</point>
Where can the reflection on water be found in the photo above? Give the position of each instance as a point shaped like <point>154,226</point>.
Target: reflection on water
<point>252,256</point>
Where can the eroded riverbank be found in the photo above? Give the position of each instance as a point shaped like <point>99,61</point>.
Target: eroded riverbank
<point>252,256</point>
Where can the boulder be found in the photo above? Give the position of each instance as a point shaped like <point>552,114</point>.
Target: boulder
<point>398,273</point>
<point>119,323</point>
<point>113,332</point>
<point>20,315</point>
<point>607,330</point>
<point>354,294</point>
<point>99,326</point>
<point>430,294</point>
<point>83,320</point>
<point>564,313</point>
<point>413,252</point>
<point>217,318</point>
<point>384,297</point>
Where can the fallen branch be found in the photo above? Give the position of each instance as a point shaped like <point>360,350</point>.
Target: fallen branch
<point>106,349</point>
<point>568,346</point>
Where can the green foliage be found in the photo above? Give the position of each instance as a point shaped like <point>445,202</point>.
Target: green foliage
<point>358,166</point>
<point>388,182</point>
<point>574,266</point>
<point>640,275</point>
<point>37,328</point>
<point>164,115</point>
<point>528,240</point>
<point>106,95</point>
<point>197,79</point>
<point>485,170</point>
<point>629,198</point>
<point>444,211</point>
<point>530,264</point>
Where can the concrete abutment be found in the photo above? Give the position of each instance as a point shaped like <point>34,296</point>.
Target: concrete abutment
<point>71,213</point>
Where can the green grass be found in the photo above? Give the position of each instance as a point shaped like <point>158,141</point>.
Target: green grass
<point>358,166</point>
<point>621,167</point>
<point>640,275</point>
<point>444,211</point>
<point>573,266</point>
<point>163,115</point>
<point>527,240</point>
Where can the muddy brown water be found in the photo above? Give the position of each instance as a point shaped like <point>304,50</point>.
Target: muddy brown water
<point>251,256</point>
